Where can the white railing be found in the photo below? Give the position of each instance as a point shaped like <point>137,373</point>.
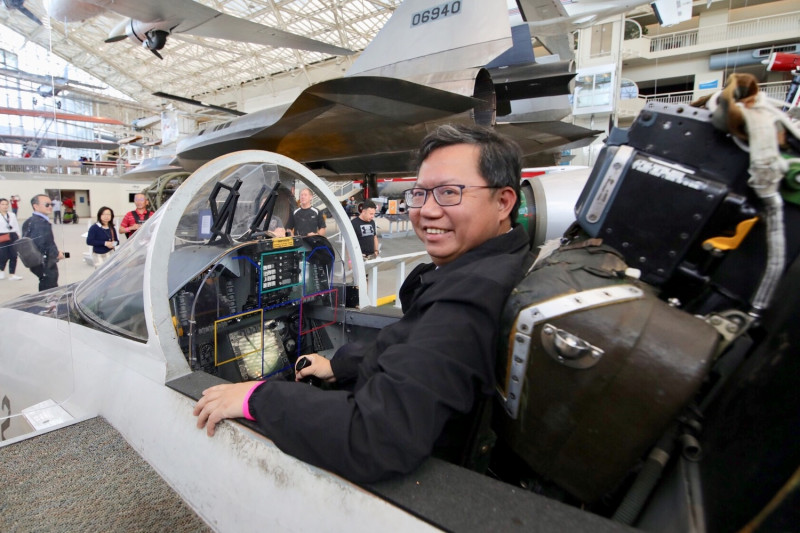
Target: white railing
<point>777,90</point>
<point>52,165</point>
<point>399,262</point>
<point>683,97</point>
<point>674,40</point>
<point>760,28</point>
<point>631,108</point>
<point>343,189</point>
<point>374,288</point>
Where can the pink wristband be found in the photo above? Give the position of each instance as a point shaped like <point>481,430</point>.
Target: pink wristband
<point>246,403</point>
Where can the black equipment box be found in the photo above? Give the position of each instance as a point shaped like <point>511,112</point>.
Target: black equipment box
<point>669,186</point>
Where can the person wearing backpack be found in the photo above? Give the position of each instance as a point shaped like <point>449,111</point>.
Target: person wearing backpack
<point>40,231</point>
<point>133,220</point>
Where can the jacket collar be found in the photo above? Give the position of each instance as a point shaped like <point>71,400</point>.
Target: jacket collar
<point>509,242</point>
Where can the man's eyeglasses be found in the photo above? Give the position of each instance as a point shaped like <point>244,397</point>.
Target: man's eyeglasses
<point>47,205</point>
<point>445,195</point>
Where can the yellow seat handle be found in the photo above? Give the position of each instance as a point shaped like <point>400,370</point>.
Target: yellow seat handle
<point>724,244</point>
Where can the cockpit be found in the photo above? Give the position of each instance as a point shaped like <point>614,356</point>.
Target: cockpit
<point>215,283</point>
<point>242,295</point>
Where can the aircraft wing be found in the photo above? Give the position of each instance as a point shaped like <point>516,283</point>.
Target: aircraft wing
<point>356,126</point>
<point>197,19</point>
<point>543,142</point>
<point>336,119</point>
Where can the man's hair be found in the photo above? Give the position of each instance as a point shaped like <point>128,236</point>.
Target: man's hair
<point>35,199</point>
<point>499,162</point>
<point>3,200</point>
<point>368,204</point>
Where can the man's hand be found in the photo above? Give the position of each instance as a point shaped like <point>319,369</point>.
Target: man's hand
<point>60,256</point>
<point>320,367</point>
<point>221,402</point>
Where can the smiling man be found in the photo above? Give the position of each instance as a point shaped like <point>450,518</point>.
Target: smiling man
<point>413,391</point>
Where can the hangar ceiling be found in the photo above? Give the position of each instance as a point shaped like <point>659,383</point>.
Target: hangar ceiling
<point>202,68</point>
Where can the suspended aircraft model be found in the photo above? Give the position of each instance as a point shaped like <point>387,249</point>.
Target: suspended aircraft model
<point>151,22</point>
<point>52,85</point>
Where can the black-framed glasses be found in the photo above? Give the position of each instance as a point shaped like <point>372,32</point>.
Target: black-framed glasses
<point>445,195</point>
<point>48,205</point>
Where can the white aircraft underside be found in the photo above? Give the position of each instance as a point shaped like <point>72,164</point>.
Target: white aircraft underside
<point>182,16</point>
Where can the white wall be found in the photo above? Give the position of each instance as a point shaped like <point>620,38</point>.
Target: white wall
<point>102,191</point>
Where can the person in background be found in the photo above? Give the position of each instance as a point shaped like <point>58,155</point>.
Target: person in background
<point>69,210</point>
<point>416,388</point>
<point>14,204</point>
<point>133,220</point>
<point>56,211</point>
<point>364,226</point>
<point>307,220</point>
<point>350,207</point>
<point>39,229</point>
<point>102,236</point>
<point>9,233</point>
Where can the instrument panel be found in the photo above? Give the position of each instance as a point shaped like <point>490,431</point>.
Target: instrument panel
<point>252,312</point>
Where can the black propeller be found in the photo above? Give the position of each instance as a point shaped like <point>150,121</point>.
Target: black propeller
<point>19,5</point>
<point>198,103</point>
<point>155,41</point>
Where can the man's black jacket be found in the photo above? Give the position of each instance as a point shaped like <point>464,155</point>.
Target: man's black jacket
<point>399,392</point>
<point>41,232</point>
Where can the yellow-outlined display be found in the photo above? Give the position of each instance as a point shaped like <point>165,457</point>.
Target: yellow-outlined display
<point>241,332</point>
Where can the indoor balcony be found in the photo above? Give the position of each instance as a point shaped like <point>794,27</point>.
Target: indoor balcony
<point>759,31</point>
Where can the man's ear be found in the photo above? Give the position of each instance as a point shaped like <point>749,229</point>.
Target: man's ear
<point>506,198</point>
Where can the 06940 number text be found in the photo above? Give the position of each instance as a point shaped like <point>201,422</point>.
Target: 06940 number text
<point>435,13</point>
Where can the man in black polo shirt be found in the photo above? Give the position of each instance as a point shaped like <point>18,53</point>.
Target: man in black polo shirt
<point>306,220</point>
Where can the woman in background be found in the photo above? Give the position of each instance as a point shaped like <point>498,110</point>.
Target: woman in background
<point>9,232</point>
<point>102,236</point>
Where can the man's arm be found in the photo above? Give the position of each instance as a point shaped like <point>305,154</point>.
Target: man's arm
<point>42,235</point>
<point>127,221</point>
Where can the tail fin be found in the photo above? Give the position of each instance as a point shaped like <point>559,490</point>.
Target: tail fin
<point>425,36</point>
